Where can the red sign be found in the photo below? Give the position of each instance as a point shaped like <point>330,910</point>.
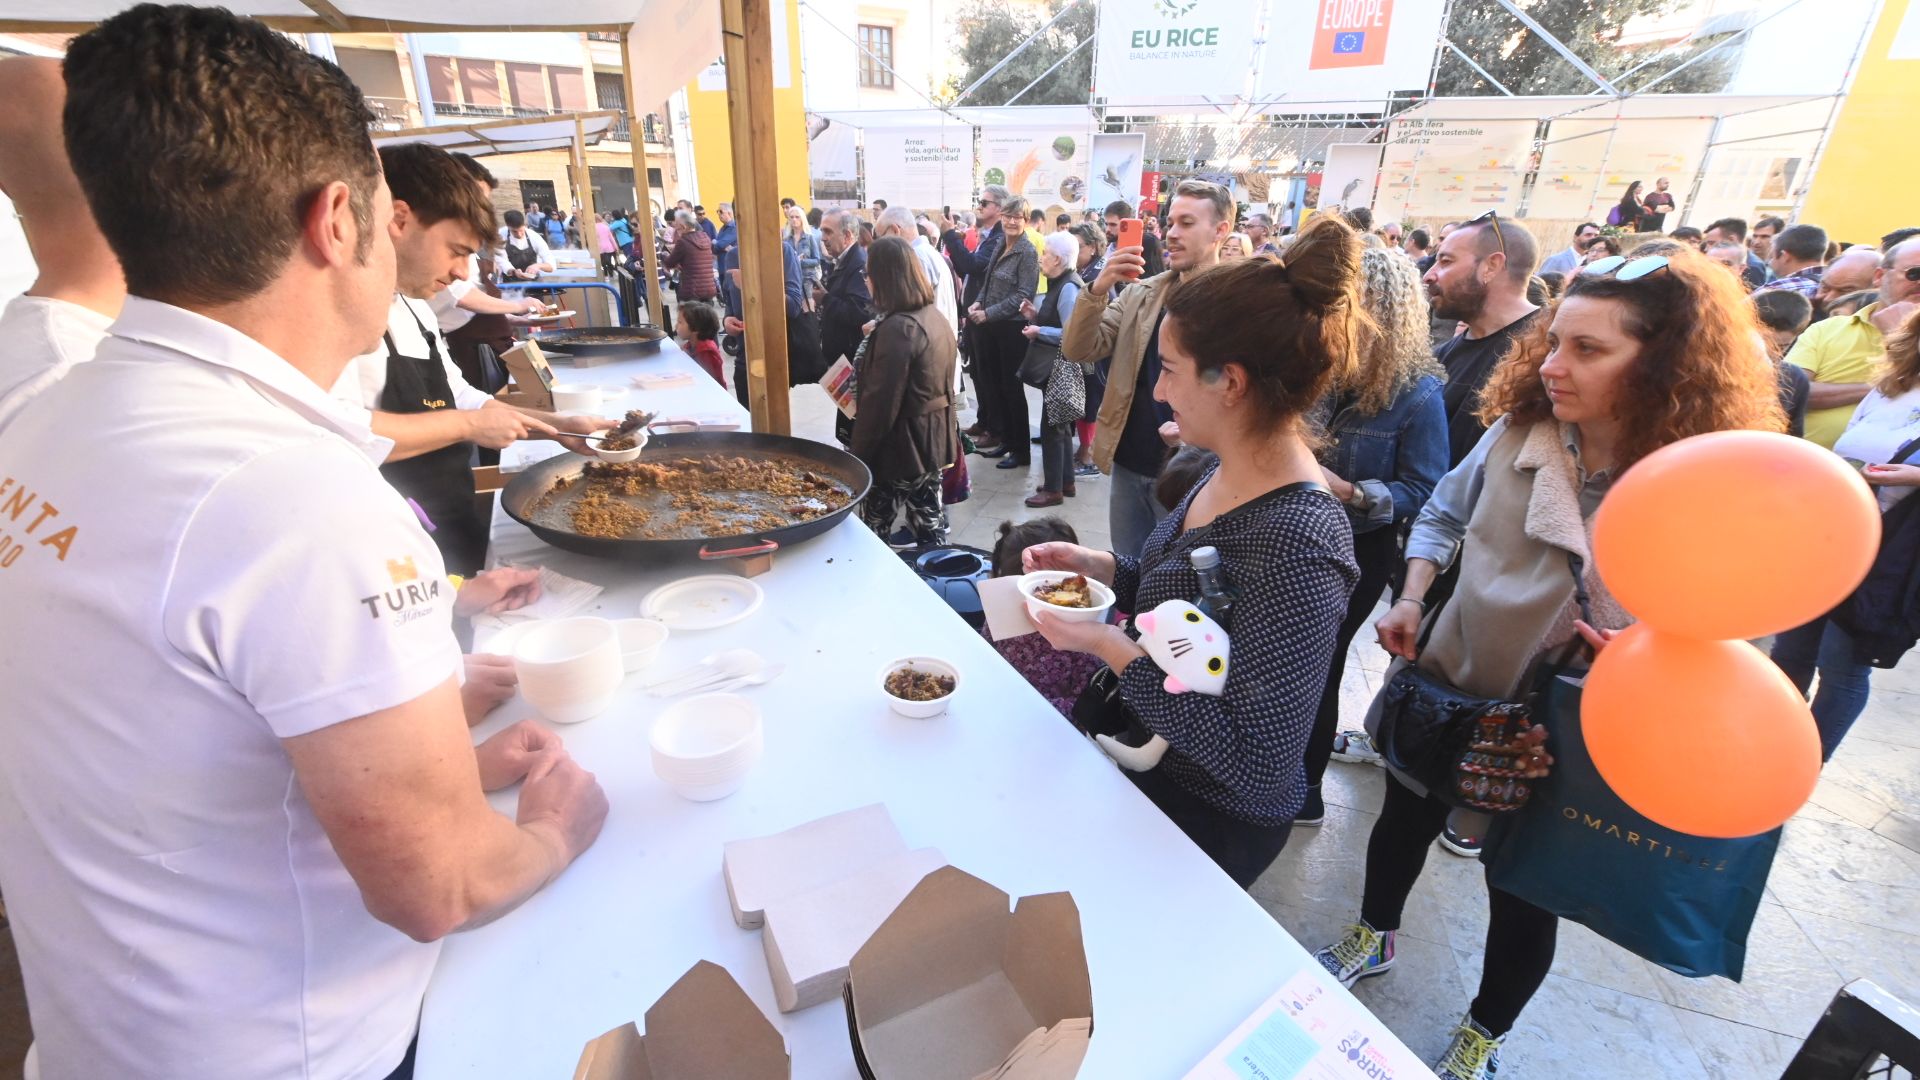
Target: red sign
<point>1149,184</point>
<point>1350,33</point>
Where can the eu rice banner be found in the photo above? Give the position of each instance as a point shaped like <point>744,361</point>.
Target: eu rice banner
<point>1158,51</point>
<point>1338,50</point>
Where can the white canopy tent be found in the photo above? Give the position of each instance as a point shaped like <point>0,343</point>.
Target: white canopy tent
<point>655,62</point>
<point>516,136</point>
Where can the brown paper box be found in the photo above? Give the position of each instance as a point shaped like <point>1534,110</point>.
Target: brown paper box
<point>703,1027</point>
<point>763,869</point>
<point>952,983</point>
<point>810,937</point>
<point>532,385</point>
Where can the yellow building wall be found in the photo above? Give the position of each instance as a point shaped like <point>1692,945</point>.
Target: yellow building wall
<point>713,145</point>
<point>1864,186</point>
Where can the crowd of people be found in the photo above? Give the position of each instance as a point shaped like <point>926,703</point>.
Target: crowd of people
<point>1346,413</point>
<point>1291,426</point>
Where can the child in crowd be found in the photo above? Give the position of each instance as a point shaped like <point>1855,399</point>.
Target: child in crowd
<point>1059,676</point>
<point>1784,315</point>
<point>698,328</point>
<point>1181,474</point>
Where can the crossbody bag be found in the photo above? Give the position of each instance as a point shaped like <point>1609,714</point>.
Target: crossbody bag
<point>1460,746</point>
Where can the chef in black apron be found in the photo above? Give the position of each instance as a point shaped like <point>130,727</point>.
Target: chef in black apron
<point>440,482</point>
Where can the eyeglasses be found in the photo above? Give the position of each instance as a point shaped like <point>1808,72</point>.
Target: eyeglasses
<point>1911,273</point>
<point>1622,270</point>
<point>1492,217</point>
<point>989,202</point>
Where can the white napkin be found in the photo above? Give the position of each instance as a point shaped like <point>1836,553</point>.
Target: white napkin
<point>1005,607</point>
<point>560,596</point>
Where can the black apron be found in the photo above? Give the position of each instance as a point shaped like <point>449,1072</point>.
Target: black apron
<point>440,481</point>
<point>492,331</point>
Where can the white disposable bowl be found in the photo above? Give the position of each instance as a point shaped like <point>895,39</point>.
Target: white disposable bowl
<point>640,641</point>
<point>639,444</point>
<point>576,397</point>
<point>705,746</point>
<point>920,710</point>
<point>569,669</point>
<point>503,643</point>
<point>1096,613</point>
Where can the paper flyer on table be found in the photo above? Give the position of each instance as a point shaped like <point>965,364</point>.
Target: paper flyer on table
<point>839,384</point>
<point>1309,1030</point>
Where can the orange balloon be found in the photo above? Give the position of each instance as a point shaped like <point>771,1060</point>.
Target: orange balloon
<point>1706,737</point>
<point>1735,534</point>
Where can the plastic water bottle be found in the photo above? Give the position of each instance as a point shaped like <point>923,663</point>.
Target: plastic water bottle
<point>1216,593</point>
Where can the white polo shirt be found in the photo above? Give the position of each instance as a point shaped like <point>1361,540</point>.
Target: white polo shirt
<point>40,340</point>
<point>446,303</point>
<point>364,378</point>
<point>220,567</point>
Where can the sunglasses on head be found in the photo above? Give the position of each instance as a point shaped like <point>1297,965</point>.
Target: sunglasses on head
<point>1492,217</point>
<point>1624,270</point>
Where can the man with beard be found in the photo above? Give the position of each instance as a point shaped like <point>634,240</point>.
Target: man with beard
<point>1479,277</point>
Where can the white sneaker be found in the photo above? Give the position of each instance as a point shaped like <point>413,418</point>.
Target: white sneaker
<point>1356,747</point>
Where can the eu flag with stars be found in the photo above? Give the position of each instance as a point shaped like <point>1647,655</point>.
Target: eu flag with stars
<point>1352,41</point>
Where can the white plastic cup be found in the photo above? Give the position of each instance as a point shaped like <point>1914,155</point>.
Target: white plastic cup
<point>640,641</point>
<point>576,397</point>
<point>570,669</point>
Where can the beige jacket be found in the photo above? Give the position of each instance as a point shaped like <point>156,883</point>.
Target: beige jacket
<point>1515,599</point>
<point>1099,329</point>
<point>1515,602</point>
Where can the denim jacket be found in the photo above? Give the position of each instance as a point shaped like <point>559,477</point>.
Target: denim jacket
<point>1394,457</point>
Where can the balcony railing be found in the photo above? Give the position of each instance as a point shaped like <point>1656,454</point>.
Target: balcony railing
<point>491,112</point>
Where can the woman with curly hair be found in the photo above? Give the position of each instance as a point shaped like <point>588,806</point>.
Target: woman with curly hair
<point>1886,421</point>
<point>1637,355</point>
<point>1386,449</point>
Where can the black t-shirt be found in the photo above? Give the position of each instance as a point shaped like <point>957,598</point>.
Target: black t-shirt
<point>1140,449</point>
<point>1655,218</point>
<point>1468,362</point>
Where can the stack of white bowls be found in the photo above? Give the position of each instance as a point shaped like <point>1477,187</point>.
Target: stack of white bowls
<point>705,746</point>
<point>570,669</point>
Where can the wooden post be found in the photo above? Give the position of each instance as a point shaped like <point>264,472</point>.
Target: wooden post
<point>746,32</point>
<point>643,192</point>
<point>583,187</point>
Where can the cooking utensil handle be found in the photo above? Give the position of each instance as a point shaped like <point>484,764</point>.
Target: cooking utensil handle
<point>762,548</point>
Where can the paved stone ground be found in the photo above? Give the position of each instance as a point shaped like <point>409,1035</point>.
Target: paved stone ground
<point>1843,902</point>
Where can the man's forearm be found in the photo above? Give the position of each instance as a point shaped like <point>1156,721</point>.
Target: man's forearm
<point>419,433</point>
<point>482,303</point>
<point>1822,395</point>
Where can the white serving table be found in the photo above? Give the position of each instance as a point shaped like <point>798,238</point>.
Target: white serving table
<point>1002,785</point>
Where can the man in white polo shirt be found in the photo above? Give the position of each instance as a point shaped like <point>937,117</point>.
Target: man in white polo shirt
<point>237,799</point>
<point>60,320</point>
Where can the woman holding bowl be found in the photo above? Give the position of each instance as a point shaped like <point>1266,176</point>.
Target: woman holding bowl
<point>1246,350</point>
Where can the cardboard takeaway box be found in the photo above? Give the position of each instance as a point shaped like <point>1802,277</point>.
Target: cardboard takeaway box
<point>704,1027</point>
<point>953,986</point>
<point>819,890</point>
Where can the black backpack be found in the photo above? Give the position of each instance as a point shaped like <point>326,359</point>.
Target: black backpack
<point>1883,614</point>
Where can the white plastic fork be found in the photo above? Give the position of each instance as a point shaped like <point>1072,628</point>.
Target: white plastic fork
<point>718,668</point>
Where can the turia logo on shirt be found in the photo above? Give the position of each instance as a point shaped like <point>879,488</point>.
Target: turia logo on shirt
<point>409,599</point>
